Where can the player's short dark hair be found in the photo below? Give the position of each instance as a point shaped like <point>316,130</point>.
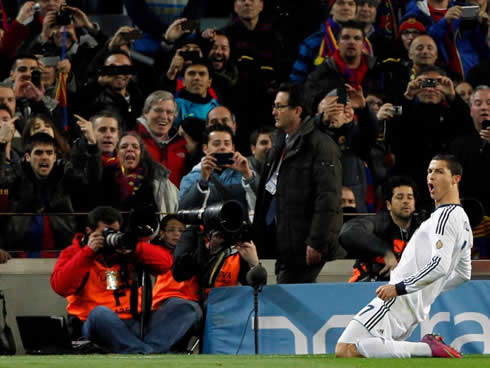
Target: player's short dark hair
<point>352,24</point>
<point>262,130</point>
<point>395,182</point>
<point>218,128</point>
<point>38,139</point>
<point>107,215</point>
<point>453,164</point>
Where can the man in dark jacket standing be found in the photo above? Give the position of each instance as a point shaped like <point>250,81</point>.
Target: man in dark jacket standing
<point>299,194</point>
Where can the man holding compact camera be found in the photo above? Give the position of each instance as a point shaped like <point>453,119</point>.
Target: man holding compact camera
<point>433,115</point>
<point>222,173</point>
<point>98,276</point>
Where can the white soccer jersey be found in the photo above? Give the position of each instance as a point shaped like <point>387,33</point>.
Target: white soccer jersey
<point>437,258</point>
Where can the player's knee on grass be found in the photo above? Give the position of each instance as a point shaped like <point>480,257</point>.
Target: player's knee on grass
<point>343,350</point>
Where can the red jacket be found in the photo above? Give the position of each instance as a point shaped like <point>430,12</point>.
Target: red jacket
<point>16,34</point>
<point>80,276</point>
<point>172,155</point>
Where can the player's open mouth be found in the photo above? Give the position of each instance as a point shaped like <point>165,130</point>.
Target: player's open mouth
<point>431,187</point>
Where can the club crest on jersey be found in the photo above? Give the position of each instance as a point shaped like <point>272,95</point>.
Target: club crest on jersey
<point>439,244</point>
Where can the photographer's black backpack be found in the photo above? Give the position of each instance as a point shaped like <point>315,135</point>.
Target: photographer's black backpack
<point>7,344</point>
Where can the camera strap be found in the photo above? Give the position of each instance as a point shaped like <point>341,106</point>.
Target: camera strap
<point>7,343</point>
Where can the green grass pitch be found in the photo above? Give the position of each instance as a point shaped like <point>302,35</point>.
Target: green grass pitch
<point>239,361</point>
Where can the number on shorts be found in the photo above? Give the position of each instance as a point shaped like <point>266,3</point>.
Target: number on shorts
<point>367,309</point>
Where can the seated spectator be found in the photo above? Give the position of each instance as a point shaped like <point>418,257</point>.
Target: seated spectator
<point>42,124</point>
<point>354,136</point>
<point>98,282</point>
<point>194,99</point>
<point>473,149</point>
<point>214,182</point>
<point>461,43</point>
<point>433,116</point>
<point>155,127</point>
<point>260,144</point>
<point>464,90</point>
<point>133,180</point>
<point>192,130</point>
<point>41,184</point>
<point>378,241</point>
<point>347,65</point>
<point>114,90</point>
<point>178,302</point>
<point>323,43</point>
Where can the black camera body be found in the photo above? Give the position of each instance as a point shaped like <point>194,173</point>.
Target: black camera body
<point>430,83</point>
<point>63,17</point>
<point>192,55</point>
<point>36,78</point>
<point>115,240</point>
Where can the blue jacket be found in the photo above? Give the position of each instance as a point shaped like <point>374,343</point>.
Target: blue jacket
<point>192,196</point>
<point>192,105</point>
<point>471,42</point>
<point>308,51</point>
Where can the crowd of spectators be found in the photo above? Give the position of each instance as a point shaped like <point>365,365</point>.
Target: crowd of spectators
<point>387,80</point>
<point>142,118</point>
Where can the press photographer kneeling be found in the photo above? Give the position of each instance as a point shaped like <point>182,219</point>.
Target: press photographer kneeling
<point>219,250</point>
<point>100,273</point>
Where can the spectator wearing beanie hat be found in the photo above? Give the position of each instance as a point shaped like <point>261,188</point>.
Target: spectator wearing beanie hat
<point>409,29</point>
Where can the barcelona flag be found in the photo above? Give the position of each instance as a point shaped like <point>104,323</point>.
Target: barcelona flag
<point>61,95</point>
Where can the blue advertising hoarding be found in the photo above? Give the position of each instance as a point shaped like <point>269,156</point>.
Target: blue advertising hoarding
<point>309,318</point>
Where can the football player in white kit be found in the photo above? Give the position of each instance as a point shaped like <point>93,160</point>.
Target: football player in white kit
<point>436,259</point>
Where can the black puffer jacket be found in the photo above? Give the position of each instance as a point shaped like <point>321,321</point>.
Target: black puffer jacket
<point>308,195</point>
